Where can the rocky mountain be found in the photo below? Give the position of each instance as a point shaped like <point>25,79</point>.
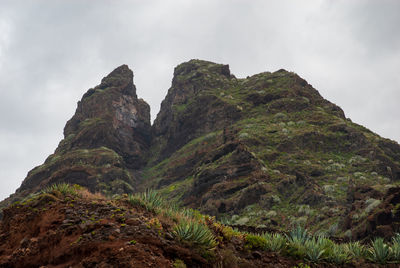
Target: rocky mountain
<point>266,151</point>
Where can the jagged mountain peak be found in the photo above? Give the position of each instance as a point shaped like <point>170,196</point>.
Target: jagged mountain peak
<point>120,79</point>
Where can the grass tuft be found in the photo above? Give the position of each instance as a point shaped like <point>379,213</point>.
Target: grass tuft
<point>150,199</point>
<point>63,188</point>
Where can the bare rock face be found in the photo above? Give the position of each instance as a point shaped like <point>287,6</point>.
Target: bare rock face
<point>111,115</point>
<point>381,214</point>
<point>189,111</point>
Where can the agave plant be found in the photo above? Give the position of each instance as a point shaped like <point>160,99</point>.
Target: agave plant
<point>150,199</point>
<point>315,249</point>
<point>395,249</point>
<point>380,251</point>
<point>339,254</point>
<point>296,240</point>
<point>325,242</point>
<point>255,241</point>
<point>298,235</point>
<point>153,198</point>
<point>275,242</point>
<point>195,233</point>
<point>356,249</point>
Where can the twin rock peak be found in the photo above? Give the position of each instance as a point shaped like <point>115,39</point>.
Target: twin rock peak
<point>246,150</point>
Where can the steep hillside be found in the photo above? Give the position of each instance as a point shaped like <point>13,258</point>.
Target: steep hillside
<point>265,151</point>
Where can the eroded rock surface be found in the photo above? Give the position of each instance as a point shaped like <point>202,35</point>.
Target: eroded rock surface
<point>111,115</point>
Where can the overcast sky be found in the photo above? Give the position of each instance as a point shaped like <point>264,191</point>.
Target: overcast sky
<point>52,51</point>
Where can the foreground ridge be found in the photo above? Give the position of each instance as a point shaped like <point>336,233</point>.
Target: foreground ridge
<point>67,226</point>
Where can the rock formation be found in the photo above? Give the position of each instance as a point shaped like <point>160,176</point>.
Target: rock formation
<point>264,151</point>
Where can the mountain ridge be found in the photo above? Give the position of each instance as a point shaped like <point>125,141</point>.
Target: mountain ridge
<point>267,150</point>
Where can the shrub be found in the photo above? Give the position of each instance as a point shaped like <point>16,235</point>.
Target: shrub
<point>228,233</point>
<point>379,252</point>
<point>190,213</point>
<point>194,233</point>
<point>333,229</point>
<point>229,259</point>
<point>371,205</point>
<point>302,265</point>
<point>254,241</point>
<point>179,264</point>
<point>155,224</point>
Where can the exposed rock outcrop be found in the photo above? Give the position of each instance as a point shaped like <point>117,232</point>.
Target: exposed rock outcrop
<point>192,106</point>
<point>376,215</point>
<point>111,115</point>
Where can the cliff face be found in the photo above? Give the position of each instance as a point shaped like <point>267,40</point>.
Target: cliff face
<point>188,111</point>
<point>266,151</point>
<point>111,115</point>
